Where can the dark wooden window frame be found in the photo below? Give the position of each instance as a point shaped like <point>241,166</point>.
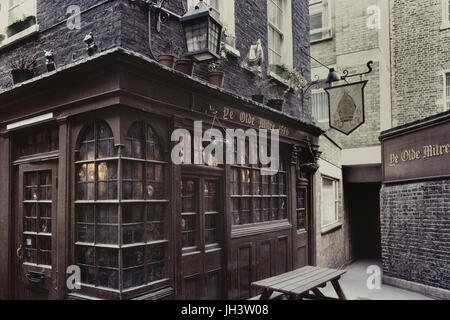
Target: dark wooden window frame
<point>271,182</point>
<point>108,293</point>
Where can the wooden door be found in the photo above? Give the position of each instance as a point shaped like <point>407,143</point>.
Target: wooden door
<point>35,227</point>
<point>202,222</point>
<point>302,219</point>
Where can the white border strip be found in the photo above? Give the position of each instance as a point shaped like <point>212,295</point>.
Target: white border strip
<point>29,121</point>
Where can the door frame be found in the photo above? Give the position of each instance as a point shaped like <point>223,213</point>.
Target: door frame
<point>20,283</point>
<point>200,174</point>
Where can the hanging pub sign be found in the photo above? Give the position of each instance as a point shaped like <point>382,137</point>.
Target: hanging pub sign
<point>346,106</point>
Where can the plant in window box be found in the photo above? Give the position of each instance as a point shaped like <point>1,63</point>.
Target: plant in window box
<point>20,24</point>
<point>294,80</point>
<point>261,84</point>
<point>173,51</point>
<point>22,67</point>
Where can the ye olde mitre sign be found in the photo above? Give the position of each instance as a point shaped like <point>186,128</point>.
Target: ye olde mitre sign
<point>346,105</point>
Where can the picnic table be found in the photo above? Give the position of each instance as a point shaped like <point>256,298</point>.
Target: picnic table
<point>302,283</point>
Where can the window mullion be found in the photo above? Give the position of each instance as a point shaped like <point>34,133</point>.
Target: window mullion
<point>119,217</point>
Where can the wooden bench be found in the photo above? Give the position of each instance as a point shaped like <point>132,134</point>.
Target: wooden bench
<point>303,283</point>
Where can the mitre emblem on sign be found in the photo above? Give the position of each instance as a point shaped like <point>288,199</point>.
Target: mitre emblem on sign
<point>346,105</point>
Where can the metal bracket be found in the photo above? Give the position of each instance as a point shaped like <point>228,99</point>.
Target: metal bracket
<point>163,15</point>
<point>346,75</point>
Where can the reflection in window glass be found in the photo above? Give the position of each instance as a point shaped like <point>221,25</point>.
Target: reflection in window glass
<point>103,236</point>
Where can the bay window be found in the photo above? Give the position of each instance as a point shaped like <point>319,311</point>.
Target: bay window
<point>120,238</point>
<point>320,20</point>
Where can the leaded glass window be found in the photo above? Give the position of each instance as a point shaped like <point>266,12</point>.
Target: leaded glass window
<point>121,241</point>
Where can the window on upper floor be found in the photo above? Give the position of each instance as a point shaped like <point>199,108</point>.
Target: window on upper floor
<point>320,20</point>
<point>224,9</point>
<point>445,14</point>
<point>330,201</point>
<point>320,110</point>
<point>17,19</point>
<point>279,16</point>
<point>447,90</point>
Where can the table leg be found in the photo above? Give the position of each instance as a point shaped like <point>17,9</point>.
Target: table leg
<point>338,289</point>
<point>318,293</point>
<point>266,294</point>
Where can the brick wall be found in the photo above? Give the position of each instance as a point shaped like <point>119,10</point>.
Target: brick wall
<point>125,23</point>
<point>415,232</point>
<point>68,45</point>
<point>420,50</point>
<point>330,246</point>
<point>352,46</point>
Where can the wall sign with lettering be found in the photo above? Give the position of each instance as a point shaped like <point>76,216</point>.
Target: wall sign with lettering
<point>423,153</point>
<point>253,121</point>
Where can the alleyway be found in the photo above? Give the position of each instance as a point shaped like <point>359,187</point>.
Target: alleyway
<point>354,285</point>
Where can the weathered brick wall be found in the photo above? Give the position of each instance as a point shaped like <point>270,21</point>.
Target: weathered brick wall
<point>331,246</point>
<point>124,23</point>
<point>352,33</point>
<point>420,50</point>
<point>251,25</point>
<point>68,45</point>
<point>352,37</point>
<point>415,232</point>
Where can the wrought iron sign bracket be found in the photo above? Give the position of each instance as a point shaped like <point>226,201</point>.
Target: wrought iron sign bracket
<point>346,75</point>
<point>163,14</point>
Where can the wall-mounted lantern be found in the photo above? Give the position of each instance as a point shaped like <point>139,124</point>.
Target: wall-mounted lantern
<point>202,32</point>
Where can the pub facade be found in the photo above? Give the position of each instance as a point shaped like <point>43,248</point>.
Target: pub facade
<point>92,205</point>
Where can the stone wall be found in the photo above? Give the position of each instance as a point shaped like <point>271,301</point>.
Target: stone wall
<point>124,23</point>
<point>415,232</point>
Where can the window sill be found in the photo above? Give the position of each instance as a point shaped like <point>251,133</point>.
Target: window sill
<point>232,50</point>
<point>445,27</point>
<point>331,228</point>
<point>321,40</point>
<point>277,78</point>
<point>20,36</point>
<point>259,228</point>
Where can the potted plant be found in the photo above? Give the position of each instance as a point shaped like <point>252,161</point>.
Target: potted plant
<point>294,80</point>
<point>20,24</point>
<point>22,68</point>
<point>261,84</point>
<point>173,51</point>
<point>216,75</point>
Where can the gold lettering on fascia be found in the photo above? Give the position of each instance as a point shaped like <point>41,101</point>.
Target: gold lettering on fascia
<point>412,154</point>
<point>254,121</point>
